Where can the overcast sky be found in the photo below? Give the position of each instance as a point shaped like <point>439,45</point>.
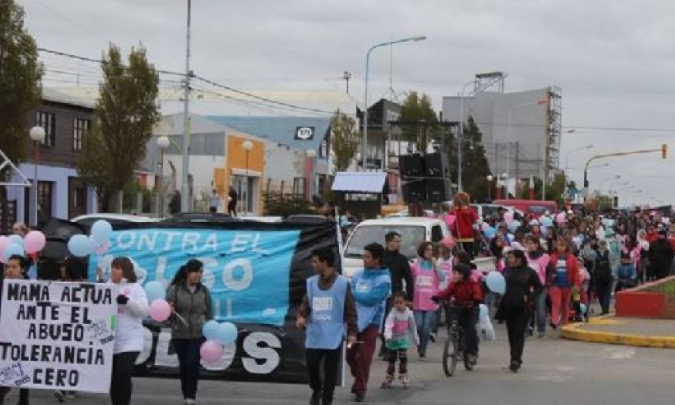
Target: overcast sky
<point>613,60</point>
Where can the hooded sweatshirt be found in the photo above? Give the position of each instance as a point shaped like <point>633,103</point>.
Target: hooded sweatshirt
<point>129,332</point>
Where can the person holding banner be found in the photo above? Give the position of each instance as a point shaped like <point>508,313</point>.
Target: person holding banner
<point>15,269</point>
<point>132,308</point>
<point>370,287</point>
<point>192,308</point>
<point>324,312</point>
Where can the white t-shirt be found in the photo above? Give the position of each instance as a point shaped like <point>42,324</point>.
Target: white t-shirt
<point>129,332</point>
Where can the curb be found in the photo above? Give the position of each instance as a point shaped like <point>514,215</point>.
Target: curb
<point>575,332</point>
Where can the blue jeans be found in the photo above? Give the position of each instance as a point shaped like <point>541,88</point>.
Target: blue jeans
<point>425,321</point>
<point>541,310</point>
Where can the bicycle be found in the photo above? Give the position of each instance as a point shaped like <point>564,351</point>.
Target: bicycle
<point>453,350</point>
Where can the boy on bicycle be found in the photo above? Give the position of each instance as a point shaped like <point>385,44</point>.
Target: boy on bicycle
<point>467,295</point>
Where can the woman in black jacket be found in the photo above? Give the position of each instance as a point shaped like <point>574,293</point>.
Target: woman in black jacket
<point>522,288</point>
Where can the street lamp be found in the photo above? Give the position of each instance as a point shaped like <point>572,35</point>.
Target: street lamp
<point>364,146</point>
<point>163,143</point>
<point>311,154</point>
<point>37,135</point>
<point>567,156</point>
<point>185,187</point>
<point>489,180</point>
<point>247,146</point>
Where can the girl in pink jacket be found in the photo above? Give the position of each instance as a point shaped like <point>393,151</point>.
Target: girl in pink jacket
<point>427,276</point>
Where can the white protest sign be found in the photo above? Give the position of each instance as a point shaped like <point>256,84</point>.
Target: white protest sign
<point>57,335</point>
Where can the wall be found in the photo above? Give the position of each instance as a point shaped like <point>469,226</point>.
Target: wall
<point>59,176</point>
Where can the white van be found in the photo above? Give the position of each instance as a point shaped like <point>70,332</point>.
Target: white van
<point>413,231</point>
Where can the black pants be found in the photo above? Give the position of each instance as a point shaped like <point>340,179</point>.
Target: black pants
<point>232,208</point>
<point>23,395</point>
<point>402,356</point>
<point>331,363</point>
<point>469,247</point>
<point>120,384</point>
<point>187,351</point>
<point>516,322</point>
<point>603,290</point>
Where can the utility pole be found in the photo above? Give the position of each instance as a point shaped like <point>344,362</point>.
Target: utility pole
<point>517,169</point>
<point>185,188</point>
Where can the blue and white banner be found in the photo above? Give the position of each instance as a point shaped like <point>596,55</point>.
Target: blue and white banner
<point>246,271</point>
<point>257,275</point>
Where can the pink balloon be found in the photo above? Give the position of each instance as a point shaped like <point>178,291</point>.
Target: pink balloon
<point>211,351</point>
<point>448,242</point>
<point>508,217</point>
<point>484,226</point>
<point>450,220</point>
<point>34,242</point>
<point>4,242</point>
<point>160,310</point>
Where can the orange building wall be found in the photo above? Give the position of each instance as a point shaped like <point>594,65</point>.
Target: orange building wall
<point>236,159</point>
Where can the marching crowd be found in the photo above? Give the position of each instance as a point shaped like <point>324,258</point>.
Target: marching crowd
<point>554,266</point>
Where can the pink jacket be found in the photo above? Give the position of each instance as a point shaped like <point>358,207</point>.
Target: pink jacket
<point>540,265</point>
<point>427,281</point>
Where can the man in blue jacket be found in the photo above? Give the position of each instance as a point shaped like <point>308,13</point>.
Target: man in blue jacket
<point>370,287</point>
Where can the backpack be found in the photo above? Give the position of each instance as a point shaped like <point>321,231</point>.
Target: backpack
<point>602,271</point>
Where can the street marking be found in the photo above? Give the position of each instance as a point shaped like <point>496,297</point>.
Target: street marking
<point>619,353</point>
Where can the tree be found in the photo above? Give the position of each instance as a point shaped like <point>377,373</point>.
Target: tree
<point>419,120</point>
<point>125,114</point>
<point>475,168</point>
<point>554,190</point>
<point>344,140</point>
<point>20,75</point>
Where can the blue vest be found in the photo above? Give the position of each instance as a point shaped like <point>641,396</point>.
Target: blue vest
<point>369,315</point>
<point>326,326</point>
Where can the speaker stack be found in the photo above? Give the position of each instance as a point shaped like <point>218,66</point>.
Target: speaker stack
<point>425,177</point>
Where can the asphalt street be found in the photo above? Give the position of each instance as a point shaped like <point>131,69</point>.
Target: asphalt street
<point>556,372</point>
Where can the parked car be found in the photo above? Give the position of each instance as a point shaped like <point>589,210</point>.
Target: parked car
<point>89,219</point>
<point>413,230</point>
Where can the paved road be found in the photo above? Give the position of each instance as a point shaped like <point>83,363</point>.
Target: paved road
<point>556,372</point>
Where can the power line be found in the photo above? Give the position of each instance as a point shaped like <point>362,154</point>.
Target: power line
<point>243,93</point>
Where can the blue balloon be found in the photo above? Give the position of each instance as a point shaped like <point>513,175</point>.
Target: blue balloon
<point>496,282</point>
<point>583,308</point>
<point>490,233</point>
<point>483,311</point>
<point>227,333</point>
<point>155,291</point>
<point>546,221</point>
<point>210,330</point>
<point>101,231</point>
<point>17,240</point>
<point>80,246</point>
<point>12,250</point>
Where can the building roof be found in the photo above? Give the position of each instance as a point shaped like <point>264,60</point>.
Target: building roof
<point>56,96</point>
<point>359,182</point>
<point>300,133</point>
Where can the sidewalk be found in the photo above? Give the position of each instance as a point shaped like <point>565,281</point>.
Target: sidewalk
<point>609,329</point>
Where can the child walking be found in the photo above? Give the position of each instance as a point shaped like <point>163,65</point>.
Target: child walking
<point>399,327</point>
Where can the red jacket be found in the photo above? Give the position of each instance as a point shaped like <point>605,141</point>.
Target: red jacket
<point>465,293</point>
<point>462,229</point>
<point>572,268</point>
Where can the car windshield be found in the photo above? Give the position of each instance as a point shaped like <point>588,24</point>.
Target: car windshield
<point>411,237</point>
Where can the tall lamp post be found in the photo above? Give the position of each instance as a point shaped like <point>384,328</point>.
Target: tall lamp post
<point>364,146</point>
<point>247,146</point>
<point>163,143</point>
<point>489,181</point>
<point>185,187</point>
<point>37,135</point>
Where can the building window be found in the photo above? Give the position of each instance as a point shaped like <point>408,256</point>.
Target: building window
<point>47,121</point>
<point>80,128</point>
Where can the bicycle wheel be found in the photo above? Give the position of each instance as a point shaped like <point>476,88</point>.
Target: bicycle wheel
<point>450,355</point>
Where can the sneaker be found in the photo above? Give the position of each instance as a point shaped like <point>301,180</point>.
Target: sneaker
<point>541,335</point>
<point>359,397</point>
<point>514,366</point>
<point>432,337</point>
<point>60,396</point>
<point>404,380</point>
<point>388,378</point>
<point>190,401</point>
